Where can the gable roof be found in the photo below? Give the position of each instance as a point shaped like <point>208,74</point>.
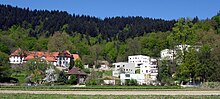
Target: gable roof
<point>49,56</point>
<point>76,56</point>
<point>77,71</point>
<point>16,52</point>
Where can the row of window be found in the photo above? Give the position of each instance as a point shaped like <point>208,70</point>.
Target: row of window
<point>150,71</point>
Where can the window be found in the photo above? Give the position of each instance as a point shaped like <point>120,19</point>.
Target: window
<point>118,65</point>
<point>127,75</point>
<point>123,65</point>
<point>126,69</point>
<point>146,71</point>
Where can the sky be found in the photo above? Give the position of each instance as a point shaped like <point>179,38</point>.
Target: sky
<point>164,9</point>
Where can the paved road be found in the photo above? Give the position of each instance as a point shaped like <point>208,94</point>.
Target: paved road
<point>117,92</point>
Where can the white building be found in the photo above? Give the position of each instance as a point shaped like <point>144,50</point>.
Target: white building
<point>61,59</point>
<point>123,67</point>
<point>138,60</point>
<point>150,69</point>
<point>167,54</point>
<point>140,78</point>
<point>16,57</point>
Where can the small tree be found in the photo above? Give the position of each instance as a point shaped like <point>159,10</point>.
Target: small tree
<point>79,64</point>
<point>62,78</point>
<point>72,80</point>
<point>4,66</point>
<point>131,82</point>
<point>35,68</point>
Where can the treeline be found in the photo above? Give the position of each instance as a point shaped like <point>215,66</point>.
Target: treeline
<point>45,23</point>
<point>114,40</point>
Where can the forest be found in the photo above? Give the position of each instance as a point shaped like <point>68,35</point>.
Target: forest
<point>113,39</point>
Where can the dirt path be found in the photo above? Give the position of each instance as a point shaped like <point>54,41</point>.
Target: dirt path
<point>117,92</point>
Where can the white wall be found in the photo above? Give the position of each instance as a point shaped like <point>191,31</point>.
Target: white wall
<point>139,77</point>
<point>64,61</point>
<point>150,69</point>
<point>138,60</point>
<point>124,66</point>
<point>15,60</point>
<point>167,54</point>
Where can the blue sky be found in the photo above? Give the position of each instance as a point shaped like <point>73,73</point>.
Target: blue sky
<point>165,9</point>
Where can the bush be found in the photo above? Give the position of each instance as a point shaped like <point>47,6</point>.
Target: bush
<point>72,80</point>
<point>131,82</point>
<point>91,82</point>
<point>211,85</point>
<point>8,80</point>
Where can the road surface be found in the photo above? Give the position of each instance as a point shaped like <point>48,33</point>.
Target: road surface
<point>116,92</point>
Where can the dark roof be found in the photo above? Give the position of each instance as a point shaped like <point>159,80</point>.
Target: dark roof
<point>75,70</point>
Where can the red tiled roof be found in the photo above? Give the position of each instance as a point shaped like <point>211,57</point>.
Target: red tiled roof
<point>75,70</point>
<point>49,56</point>
<point>50,59</point>
<point>76,56</point>
<point>28,57</point>
<point>16,52</point>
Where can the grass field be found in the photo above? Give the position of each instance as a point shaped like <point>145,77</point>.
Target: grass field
<point>55,96</point>
<point>104,87</point>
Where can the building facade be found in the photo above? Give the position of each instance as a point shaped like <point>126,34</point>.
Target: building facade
<point>150,70</point>
<point>61,59</point>
<point>138,60</point>
<point>123,67</point>
<point>147,66</point>
<point>168,54</point>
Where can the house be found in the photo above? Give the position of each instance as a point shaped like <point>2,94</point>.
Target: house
<point>80,75</point>
<point>123,67</point>
<point>16,57</point>
<point>61,59</point>
<point>104,65</point>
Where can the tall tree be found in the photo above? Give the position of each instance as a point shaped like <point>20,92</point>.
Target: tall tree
<point>59,42</point>
<point>4,65</point>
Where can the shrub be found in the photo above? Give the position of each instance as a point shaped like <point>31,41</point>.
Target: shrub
<point>8,80</point>
<point>131,82</point>
<point>72,80</point>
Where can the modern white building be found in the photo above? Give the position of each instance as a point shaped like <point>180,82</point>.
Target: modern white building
<point>140,78</point>
<point>151,70</point>
<point>138,60</point>
<point>168,54</point>
<point>122,68</point>
<point>147,65</point>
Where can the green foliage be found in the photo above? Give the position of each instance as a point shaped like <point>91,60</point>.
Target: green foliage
<point>137,71</point>
<point>92,82</point>
<point>87,70</point>
<point>62,77</point>
<point>78,63</point>
<point>165,75</point>
<point>4,65</point>
<point>131,82</point>
<point>59,42</point>
<point>73,79</point>
<point>35,68</point>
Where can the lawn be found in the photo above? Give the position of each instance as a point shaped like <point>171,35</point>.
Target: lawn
<point>97,87</point>
<point>56,96</point>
